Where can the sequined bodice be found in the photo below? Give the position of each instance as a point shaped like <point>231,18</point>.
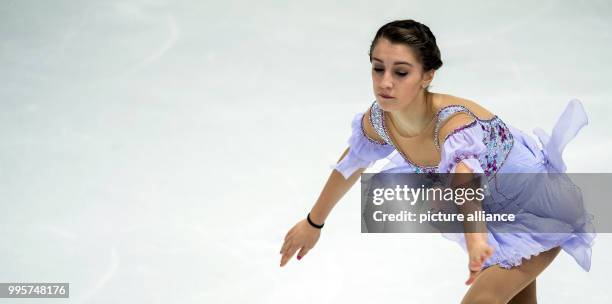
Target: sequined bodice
<point>497,137</point>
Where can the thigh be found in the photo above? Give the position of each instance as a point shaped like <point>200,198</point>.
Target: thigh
<point>499,285</point>
<point>526,296</point>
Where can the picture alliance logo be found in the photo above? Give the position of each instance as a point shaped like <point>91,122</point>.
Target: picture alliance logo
<point>409,216</point>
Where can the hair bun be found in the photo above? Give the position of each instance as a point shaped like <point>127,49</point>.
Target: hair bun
<point>417,36</point>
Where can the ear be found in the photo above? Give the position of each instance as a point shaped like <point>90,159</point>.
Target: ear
<point>428,77</point>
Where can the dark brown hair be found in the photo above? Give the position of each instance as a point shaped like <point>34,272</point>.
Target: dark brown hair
<point>417,36</point>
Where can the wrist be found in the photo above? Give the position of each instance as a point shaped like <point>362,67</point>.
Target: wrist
<point>316,216</point>
<point>472,239</point>
<point>312,222</point>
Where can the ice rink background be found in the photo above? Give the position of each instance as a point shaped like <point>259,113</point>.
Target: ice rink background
<point>158,151</point>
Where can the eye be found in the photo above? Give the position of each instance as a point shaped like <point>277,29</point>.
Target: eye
<point>400,74</point>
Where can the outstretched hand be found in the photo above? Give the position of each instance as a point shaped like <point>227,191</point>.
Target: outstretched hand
<point>478,252</point>
<point>301,237</point>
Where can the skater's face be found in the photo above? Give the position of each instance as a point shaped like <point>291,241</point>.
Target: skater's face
<point>397,75</point>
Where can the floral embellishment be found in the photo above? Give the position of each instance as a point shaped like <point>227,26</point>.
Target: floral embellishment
<point>502,134</point>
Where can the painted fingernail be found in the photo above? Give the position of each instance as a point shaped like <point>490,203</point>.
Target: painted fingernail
<point>299,257</point>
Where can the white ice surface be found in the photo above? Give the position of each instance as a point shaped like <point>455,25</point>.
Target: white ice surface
<point>158,151</point>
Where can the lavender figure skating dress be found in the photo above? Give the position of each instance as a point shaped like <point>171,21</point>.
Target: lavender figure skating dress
<point>491,147</point>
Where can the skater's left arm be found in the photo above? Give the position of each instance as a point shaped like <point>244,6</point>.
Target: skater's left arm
<point>476,234</point>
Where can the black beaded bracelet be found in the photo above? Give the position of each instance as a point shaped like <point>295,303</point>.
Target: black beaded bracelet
<point>313,224</point>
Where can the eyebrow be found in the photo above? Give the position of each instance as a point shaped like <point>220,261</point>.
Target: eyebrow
<point>395,63</point>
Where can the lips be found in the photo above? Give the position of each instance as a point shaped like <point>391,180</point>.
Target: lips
<point>385,96</point>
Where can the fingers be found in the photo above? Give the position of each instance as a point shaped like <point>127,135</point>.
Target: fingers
<point>490,251</point>
<point>296,239</point>
<point>472,277</point>
<point>302,253</point>
<point>287,241</point>
<point>288,251</point>
<point>483,257</point>
<point>287,255</point>
<point>475,266</point>
<point>486,254</point>
<point>476,262</point>
<point>288,234</point>
<point>285,245</point>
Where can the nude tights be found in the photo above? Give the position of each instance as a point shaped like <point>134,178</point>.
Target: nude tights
<point>516,285</point>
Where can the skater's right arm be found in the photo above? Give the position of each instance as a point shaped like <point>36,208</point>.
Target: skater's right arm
<point>360,154</point>
<point>335,188</point>
<point>304,236</point>
<point>337,185</point>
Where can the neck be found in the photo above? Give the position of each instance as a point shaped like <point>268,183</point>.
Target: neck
<point>415,117</point>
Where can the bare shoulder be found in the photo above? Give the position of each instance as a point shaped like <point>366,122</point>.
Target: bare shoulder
<point>455,123</point>
<point>461,119</point>
<point>478,110</point>
<point>368,128</point>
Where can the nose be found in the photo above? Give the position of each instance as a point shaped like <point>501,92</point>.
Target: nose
<point>387,81</point>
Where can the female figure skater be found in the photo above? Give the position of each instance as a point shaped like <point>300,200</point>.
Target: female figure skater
<point>421,131</point>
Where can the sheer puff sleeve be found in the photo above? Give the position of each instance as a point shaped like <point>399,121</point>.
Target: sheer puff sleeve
<point>363,151</point>
<point>463,144</point>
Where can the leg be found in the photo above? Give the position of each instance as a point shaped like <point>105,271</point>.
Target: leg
<point>499,285</point>
<point>526,296</point>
